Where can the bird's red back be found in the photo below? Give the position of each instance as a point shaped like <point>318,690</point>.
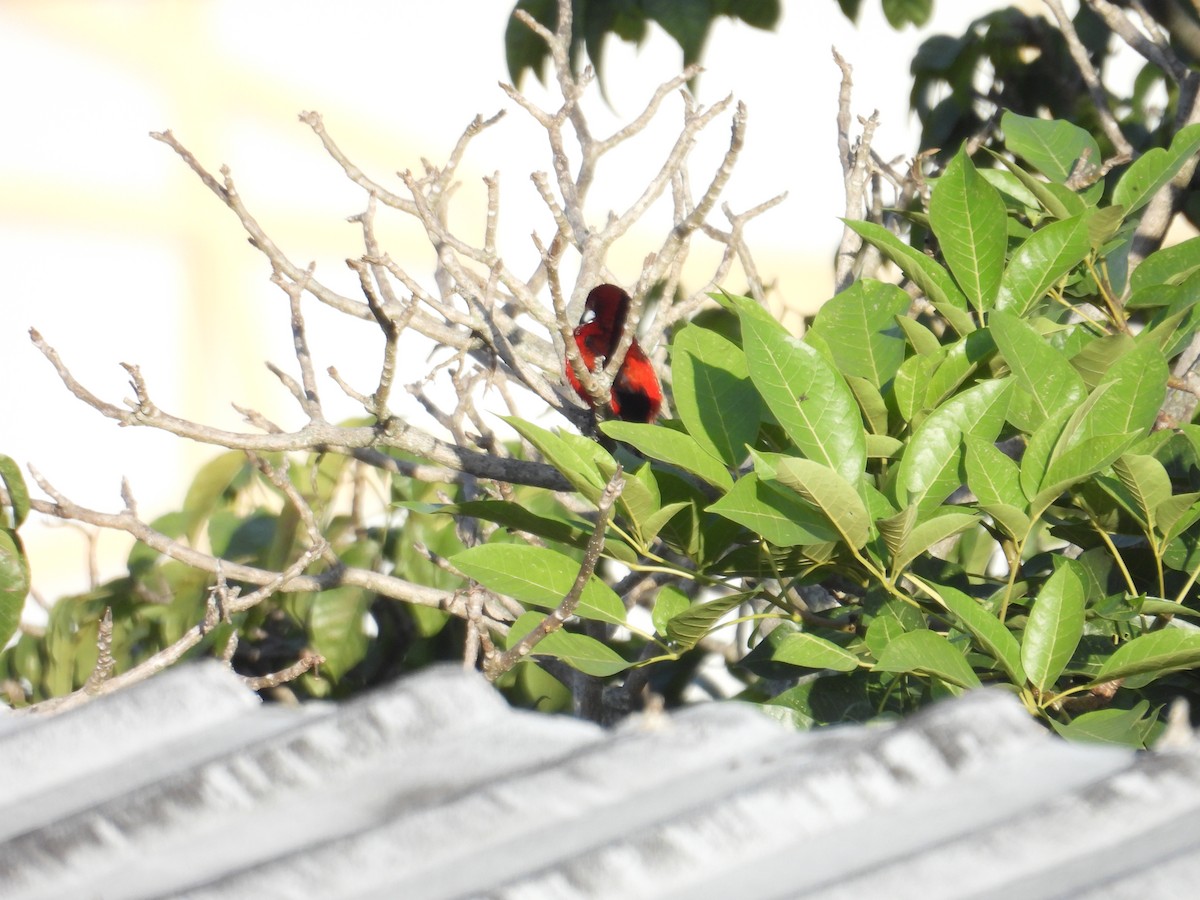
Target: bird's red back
<point>636,392</point>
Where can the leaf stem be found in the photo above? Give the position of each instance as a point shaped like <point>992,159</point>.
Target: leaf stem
<point>1116,555</point>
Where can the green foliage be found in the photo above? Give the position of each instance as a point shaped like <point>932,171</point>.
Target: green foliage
<point>985,487</point>
<point>978,490</point>
<point>688,22</point>
<point>14,565</point>
<point>1031,73</point>
<point>232,508</point>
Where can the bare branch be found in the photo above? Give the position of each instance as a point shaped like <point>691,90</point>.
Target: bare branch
<point>1152,48</point>
<point>306,663</point>
<point>1092,79</point>
<point>105,664</point>
<point>314,121</point>
<point>387,585</point>
<point>321,436</point>
<point>856,164</point>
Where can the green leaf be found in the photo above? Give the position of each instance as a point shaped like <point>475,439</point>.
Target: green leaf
<point>18,493</point>
<point>538,576</point>
<point>669,603</point>
<point>1097,356</point>
<point>654,523</point>
<point>687,23</point>
<point>713,394</point>
<point>1041,370</point>
<point>1155,168</point>
<point>208,487</point>
<point>1059,207</point>
<point>989,633</point>
<point>882,630</point>
<point>871,403</point>
<point>808,398</point>
<point>934,281</point>
<point>508,514</point>
<point>901,12</point>
<point>1052,146</point>
<point>831,493</point>
<point>1120,410</point>
<point>1054,626</point>
<point>1153,607</point>
<point>578,651</point>
<point>932,467</point>
<point>959,361</point>
<point>850,9</point>
<point>675,447</point>
<point>640,499</point>
<point>577,468</point>
<point>992,475</point>
<point>335,626</point>
<point>882,446</point>
<point>758,13</point>
<point>777,515</point>
<point>928,533</point>
<point>1014,521</point>
<point>523,49</point>
<point>1044,259</point>
<point>689,627</point>
<point>923,341</point>
<point>971,225</point>
<point>1126,727</point>
<point>1009,185</point>
<point>812,652</point>
<point>1170,265</point>
<point>859,327</point>
<point>895,529</point>
<point>928,653</point>
<point>910,387</point>
<point>14,583</point>
<point>1103,225</point>
<point>1156,653</point>
<point>1176,514</point>
<point>1146,481</point>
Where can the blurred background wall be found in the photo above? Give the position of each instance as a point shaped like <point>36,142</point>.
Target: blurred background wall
<point>113,249</point>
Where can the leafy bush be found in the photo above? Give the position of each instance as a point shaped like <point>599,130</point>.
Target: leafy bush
<point>974,476</point>
<point>983,486</point>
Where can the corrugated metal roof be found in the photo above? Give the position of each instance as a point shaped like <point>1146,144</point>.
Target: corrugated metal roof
<point>434,787</point>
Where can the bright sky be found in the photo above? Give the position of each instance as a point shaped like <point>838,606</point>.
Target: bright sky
<point>116,253</point>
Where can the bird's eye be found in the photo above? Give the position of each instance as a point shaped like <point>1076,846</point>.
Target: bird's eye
<point>589,316</point>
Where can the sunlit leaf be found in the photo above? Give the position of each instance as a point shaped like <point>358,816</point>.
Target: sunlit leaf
<point>1052,146</point>
<point>928,653</point>
<point>807,396</point>
<point>932,467</point>
<point>578,651</point>
<point>538,576</point>
<point>970,222</point>
<point>1054,626</point>
<point>1156,653</point>
<point>859,327</point>
<point>829,492</point>
<point>989,633</point>
<point>675,447</point>
<point>812,652</point>
<point>778,515</point>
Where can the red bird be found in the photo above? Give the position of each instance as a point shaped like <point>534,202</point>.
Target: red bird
<point>636,393</point>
